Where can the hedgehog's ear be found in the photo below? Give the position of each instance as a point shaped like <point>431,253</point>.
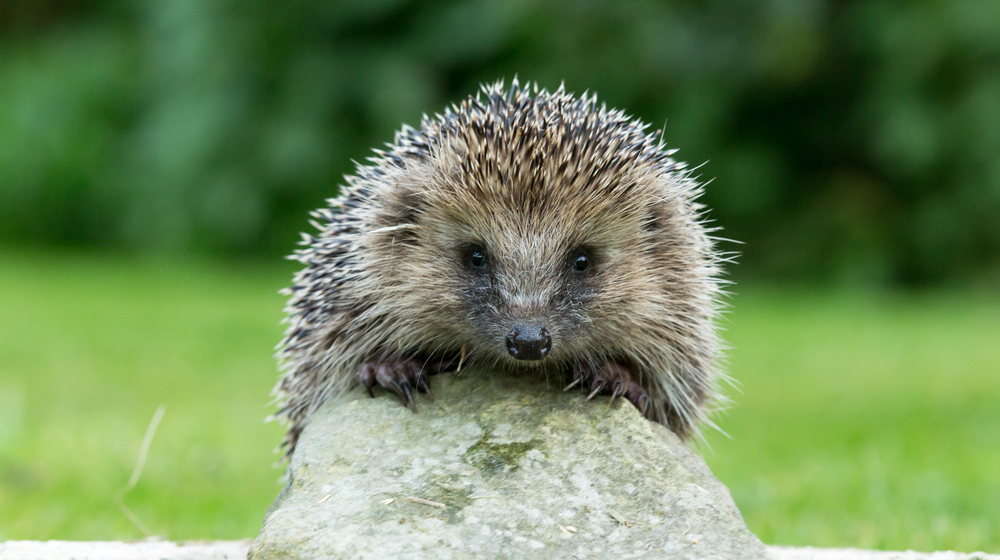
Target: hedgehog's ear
<point>656,216</point>
<point>402,207</point>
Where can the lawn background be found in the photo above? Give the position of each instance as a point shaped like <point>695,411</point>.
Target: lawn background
<point>860,418</point>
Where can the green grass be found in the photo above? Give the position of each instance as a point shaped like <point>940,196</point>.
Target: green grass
<point>863,420</point>
<point>88,349</point>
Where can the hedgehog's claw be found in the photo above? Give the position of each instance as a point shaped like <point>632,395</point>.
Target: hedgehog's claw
<point>575,382</point>
<point>598,385</point>
<point>403,389</point>
<point>611,378</point>
<point>637,396</point>
<point>423,385</point>
<point>618,390</point>
<point>403,377</point>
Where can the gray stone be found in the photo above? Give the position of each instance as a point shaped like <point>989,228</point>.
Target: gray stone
<point>498,468</point>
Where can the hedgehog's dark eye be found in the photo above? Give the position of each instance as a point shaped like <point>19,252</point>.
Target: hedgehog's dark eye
<point>477,257</point>
<point>580,262</point>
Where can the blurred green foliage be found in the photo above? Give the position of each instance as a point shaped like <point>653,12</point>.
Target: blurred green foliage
<point>851,141</point>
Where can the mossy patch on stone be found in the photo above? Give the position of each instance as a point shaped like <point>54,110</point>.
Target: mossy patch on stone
<point>495,458</point>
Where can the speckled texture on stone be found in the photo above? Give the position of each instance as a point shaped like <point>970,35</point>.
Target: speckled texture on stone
<point>523,470</point>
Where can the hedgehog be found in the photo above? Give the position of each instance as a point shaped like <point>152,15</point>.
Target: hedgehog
<point>523,231</point>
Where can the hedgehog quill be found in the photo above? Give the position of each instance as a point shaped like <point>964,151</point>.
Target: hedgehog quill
<point>522,230</point>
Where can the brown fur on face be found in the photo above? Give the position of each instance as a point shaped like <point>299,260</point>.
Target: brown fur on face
<point>531,180</point>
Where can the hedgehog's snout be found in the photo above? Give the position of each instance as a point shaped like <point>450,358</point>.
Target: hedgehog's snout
<point>529,342</point>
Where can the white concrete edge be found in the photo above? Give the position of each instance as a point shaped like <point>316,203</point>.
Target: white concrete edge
<point>151,549</point>
<point>148,549</point>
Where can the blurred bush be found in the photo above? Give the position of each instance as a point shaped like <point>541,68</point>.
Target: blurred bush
<point>850,141</point>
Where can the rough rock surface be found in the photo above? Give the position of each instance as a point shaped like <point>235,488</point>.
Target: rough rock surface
<point>498,468</point>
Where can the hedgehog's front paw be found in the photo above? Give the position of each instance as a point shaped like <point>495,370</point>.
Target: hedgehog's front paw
<point>611,378</point>
<point>402,377</point>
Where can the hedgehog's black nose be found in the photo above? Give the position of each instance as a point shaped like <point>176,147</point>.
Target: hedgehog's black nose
<point>528,342</point>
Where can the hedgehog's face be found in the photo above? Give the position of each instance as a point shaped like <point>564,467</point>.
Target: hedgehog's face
<point>525,295</point>
<point>533,298</point>
<point>529,279</point>
<point>540,287</point>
